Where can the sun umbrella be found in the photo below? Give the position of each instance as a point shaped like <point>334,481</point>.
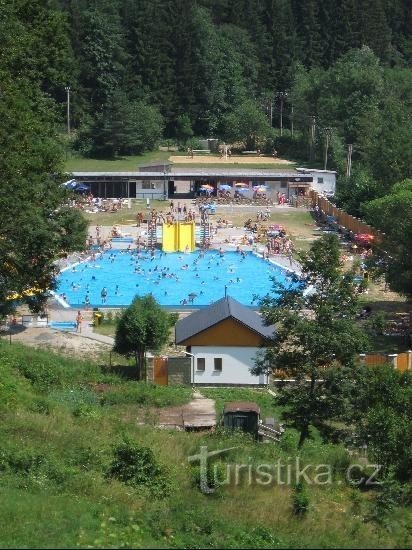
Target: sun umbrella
<point>70,184</point>
<point>260,189</point>
<point>225,187</point>
<point>241,184</point>
<point>261,186</point>
<point>207,186</point>
<point>364,237</point>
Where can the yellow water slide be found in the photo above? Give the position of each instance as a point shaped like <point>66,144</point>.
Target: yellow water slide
<point>169,238</point>
<point>186,237</point>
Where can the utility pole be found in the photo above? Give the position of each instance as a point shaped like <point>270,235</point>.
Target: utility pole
<point>349,161</point>
<point>271,112</point>
<point>328,131</point>
<point>282,97</point>
<point>291,121</point>
<point>165,193</point>
<point>67,88</point>
<point>312,137</point>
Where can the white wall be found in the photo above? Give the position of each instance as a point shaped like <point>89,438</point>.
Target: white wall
<point>236,362</point>
<point>155,191</point>
<point>328,185</point>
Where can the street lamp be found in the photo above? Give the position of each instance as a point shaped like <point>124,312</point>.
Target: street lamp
<point>67,88</point>
<point>282,97</point>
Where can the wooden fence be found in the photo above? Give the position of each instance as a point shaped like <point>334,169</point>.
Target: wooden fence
<point>352,224</point>
<point>400,361</point>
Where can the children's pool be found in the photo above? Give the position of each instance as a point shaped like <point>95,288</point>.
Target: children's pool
<point>174,279</point>
<point>62,325</point>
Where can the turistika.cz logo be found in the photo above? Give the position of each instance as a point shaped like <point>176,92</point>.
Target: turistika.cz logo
<point>289,472</point>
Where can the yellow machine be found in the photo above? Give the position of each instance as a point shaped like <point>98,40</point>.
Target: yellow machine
<point>178,237</point>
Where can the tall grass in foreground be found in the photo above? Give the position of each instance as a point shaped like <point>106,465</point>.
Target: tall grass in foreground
<point>59,445</point>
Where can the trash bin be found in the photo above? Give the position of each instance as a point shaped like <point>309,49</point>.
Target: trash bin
<point>97,318</point>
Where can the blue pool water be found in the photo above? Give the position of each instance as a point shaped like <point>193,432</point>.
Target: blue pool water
<point>62,325</point>
<point>171,278</point>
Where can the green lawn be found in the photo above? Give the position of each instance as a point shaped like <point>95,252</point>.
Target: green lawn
<point>122,164</point>
<point>61,420</point>
<point>131,163</point>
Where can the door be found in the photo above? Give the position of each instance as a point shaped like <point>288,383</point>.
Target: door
<point>160,371</point>
<point>171,188</point>
<point>241,422</point>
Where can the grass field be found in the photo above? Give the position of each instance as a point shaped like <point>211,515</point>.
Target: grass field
<point>178,159</point>
<point>63,422</point>
<point>122,164</point>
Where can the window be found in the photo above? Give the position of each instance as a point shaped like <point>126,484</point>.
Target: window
<point>201,363</point>
<point>320,180</point>
<point>283,184</point>
<point>218,364</point>
<point>148,184</point>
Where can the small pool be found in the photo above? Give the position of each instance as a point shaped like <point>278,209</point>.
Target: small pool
<point>62,325</point>
<point>174,279</point>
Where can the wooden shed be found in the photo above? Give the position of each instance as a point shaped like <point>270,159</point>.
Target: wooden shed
<point>242,415</point>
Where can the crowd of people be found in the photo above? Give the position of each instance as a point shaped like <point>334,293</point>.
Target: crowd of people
<point>91,204</point>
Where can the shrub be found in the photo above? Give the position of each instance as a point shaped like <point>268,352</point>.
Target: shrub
<point>300,499</point>
<point>41,405</point>
<point>136,465</point>
<point>392,494</point>
<point>215,475</point>
<point>84,410</point>
<point>257,537</point>
<point>22,461</point>
<point>42,374</point>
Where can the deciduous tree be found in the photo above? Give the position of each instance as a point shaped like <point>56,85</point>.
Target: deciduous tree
<point>315,329</point>
<point>392,214</point>
<point>144,326</point>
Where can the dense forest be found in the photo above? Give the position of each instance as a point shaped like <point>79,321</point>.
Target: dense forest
<point>143,71</point>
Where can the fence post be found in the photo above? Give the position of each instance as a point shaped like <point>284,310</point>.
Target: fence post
<point>393,358</point>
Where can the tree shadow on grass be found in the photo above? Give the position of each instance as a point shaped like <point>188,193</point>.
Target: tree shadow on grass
<point>127,372</point>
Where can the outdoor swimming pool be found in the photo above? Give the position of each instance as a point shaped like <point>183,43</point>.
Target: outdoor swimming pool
<point>62,325</point>
<point>171,278</point>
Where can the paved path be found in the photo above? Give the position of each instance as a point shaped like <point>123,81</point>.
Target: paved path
<point>197,414</point>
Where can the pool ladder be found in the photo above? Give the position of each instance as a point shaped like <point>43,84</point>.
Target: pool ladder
<point>205,233</point>
<point>152,237</point>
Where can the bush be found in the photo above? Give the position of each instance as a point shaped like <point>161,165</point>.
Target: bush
<point>215,475</point>
<point>136,465</point>
<point>392,494</point>
<point>84,410</point>
<point>300,499</point>
<point>42,374</point>
<point>41,405</point>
